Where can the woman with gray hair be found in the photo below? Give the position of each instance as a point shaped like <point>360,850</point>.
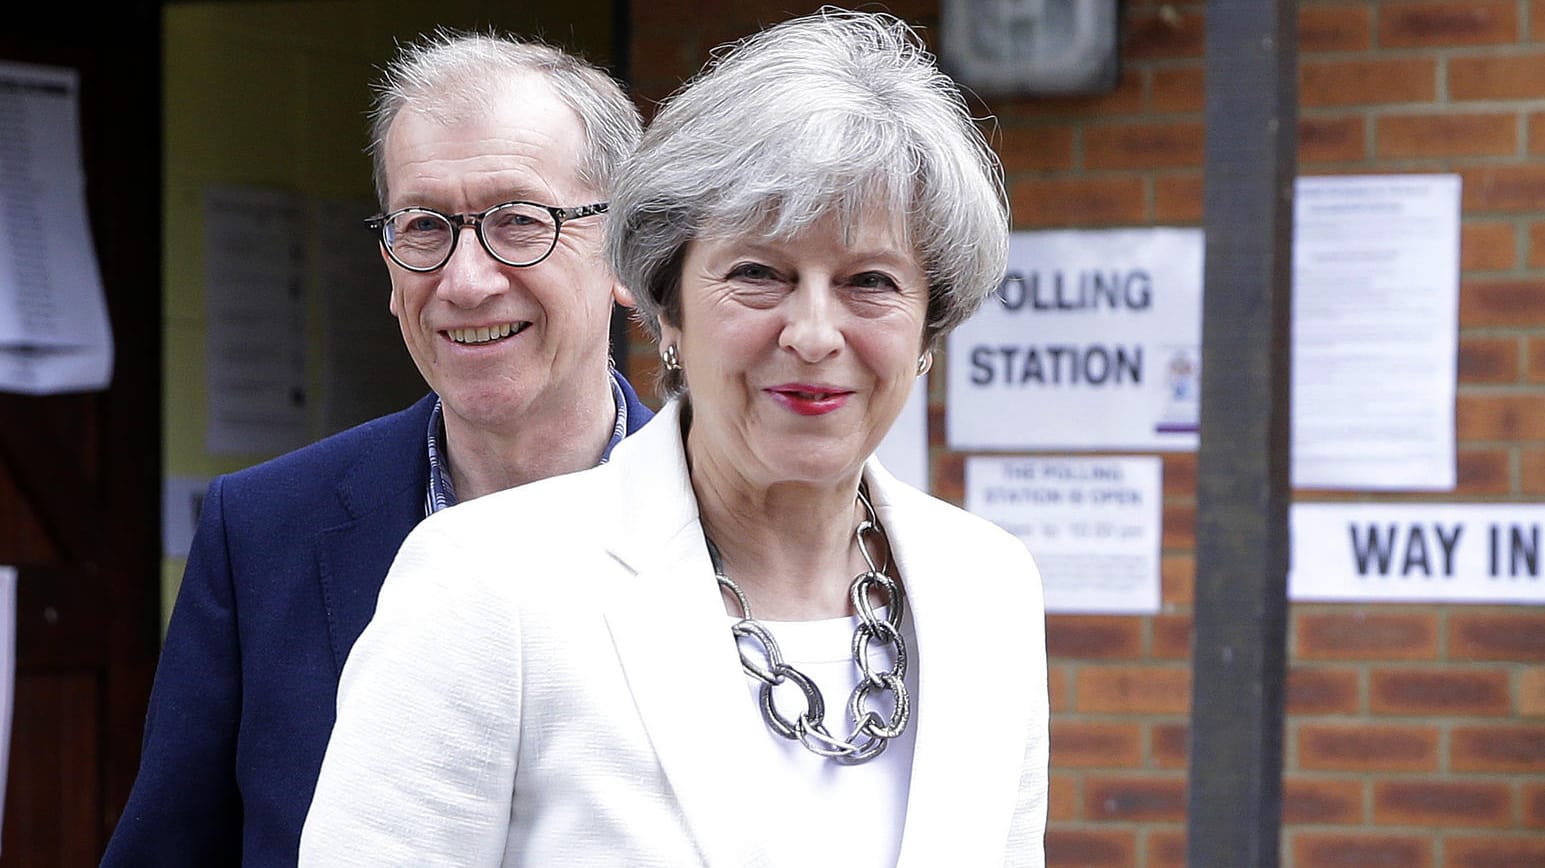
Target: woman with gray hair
<point>741,642</point>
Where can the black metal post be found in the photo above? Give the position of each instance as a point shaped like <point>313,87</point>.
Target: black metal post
<point>1243,489</point>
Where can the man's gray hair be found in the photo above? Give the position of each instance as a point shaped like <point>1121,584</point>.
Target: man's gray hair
<point>837,113</point>
<point>451,75</point>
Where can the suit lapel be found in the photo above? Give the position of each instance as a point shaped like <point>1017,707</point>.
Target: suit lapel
<point>382,493</point>
<point>673,640</point>
<point>965,764</point>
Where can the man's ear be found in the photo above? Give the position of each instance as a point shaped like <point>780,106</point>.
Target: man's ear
<point>392,304</point>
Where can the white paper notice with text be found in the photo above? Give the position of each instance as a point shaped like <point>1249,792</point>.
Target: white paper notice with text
<point>1092,525</point>
<point>54,331</point>
<point>1375,331</point>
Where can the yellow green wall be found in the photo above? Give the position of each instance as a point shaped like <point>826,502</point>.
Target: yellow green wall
<point>273,95</point>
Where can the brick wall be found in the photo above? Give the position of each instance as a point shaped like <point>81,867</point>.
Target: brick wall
<point>1415,734</point>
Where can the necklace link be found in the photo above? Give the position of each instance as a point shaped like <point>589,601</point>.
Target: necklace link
<point>871,732</point>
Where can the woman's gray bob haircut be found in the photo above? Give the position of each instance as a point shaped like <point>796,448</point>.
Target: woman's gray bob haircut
<point>837,113</point>
<point>451,75</point>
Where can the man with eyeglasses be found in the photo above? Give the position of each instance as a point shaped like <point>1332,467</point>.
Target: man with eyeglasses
<point>492,162</point>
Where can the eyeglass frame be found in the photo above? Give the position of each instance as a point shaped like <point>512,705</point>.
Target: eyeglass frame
<point>377,223</point>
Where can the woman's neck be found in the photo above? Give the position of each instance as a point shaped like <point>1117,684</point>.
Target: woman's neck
<point>790,548</point>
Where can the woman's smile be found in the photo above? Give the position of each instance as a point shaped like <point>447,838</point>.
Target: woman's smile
<point>809,400</point>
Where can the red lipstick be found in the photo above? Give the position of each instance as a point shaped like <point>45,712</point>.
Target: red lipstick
<point>809,400</point>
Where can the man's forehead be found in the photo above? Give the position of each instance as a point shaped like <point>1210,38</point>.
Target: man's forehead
<point>512,137</point>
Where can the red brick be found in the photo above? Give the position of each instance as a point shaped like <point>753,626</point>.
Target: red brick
<point>1086,744</point>
<point>1533,797</point>
<point>1170,744</point>
<point>1488,360</point>
<point>1448,135</point>
<point>1487,246</point>
<point>1491,636</point>
<point>1178,89</point>
<point>1493,852</point>
<point>1516,749</point>
<point>1179,474</point>
<point>1090,848</point>
<point>1536,255</point>
<point>1102,201</point>
<point>1125,100</point>
<point>1179,526</point>
<point>1343,850</point>
<point>1428,802</point>
<point>1497,76</point>
<point>1094,637</point>
<point>1364,635</point>
<point>1534,135</point>
<point>1135,799</point>
<point>1057,689</point>
<point>1143,146</point>
<point>1035,148</point>
<point>1503,189</point>
<point>1062,798</point>
<point>1177,577</point>
<point>1177,198</point>
<point>1366,747</point>
<point>1161,34</point>
<point>1166,848</point>
<point>1531,692</point>
<point>1134,689</point>
<point>1344,27</point>
<point>1498,417</point>
<point>1512,303</point>
<point>1448,24</point>
<point>1483,471</point>
<point>1447,692</point>
<point>1324,83</point>
<point>1319,690</point>
<point>1171,637</point>
<point>1321,801</point>
<point>1537,360</point>
<point>1537,20</point>
<point>1332,140</point>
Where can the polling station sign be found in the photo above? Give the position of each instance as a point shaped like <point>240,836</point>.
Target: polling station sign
<point>1418,553</point>
<point>1091,342</point>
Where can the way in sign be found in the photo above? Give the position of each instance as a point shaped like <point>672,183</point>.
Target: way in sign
<point>1428,549</point>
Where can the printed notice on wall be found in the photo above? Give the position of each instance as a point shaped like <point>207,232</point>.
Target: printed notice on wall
<point>1092,524</point>
<point>254,263</point>
<point>1418,553</point>
<point>1092,341</point>
<point>1375,331</point>
<point>54,331</point>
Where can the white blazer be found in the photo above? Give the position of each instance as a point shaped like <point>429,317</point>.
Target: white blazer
<point>549,680</point>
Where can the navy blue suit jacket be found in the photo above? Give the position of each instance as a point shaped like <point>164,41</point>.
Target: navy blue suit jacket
<point>281,580</point>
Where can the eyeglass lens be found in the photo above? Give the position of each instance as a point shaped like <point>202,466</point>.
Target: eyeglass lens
<point>517,234</point>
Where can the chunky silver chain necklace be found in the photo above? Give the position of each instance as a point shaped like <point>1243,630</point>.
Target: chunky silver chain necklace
<point>763,661</point>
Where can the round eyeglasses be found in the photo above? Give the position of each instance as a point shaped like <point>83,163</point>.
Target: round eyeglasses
<point>515,233</point>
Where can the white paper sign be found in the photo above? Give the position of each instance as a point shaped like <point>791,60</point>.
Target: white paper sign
<point>1092,342</point>
<point>1375,331</point>
<point>254,260</point>
<point>54,331</point>
<point>904,451</point>
<point>1418,552</point>
<point>1092,525</point>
